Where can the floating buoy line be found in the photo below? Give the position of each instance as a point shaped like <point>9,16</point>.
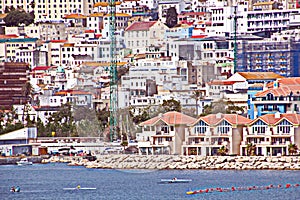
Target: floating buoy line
<point>233,189</point>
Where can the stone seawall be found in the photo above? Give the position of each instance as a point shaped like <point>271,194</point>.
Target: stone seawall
<point>184,162</point>
<point>14,160</point>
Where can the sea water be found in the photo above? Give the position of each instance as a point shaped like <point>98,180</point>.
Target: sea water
<point>47,181</point>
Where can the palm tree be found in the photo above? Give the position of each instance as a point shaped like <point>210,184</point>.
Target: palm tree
<point>251,149</point>
<point>197,95</point>
<point>27,91</point>
<point>222,151</point>
<point>292,148</point>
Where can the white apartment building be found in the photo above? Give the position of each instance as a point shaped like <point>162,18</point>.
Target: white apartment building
<point>121,24</point>
<point>95,22</point>
<point>139,35</point>
<point>51,10</point>
<point>151,77</point>
<point>269,20</point>
<point>14,46</point>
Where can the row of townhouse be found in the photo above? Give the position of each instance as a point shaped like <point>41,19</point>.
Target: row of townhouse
<point>177,133</point>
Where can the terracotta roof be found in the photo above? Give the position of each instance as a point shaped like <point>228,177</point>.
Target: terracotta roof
<point>74,92</point>
<point>171,118</point>
<point>104,4</point>
<point>285,90</point>
<point>41,68</point>
<point>140,26</point>
<point>199,36</point>
<point>273,119</point>
<point>259,75</point>
<point>69,45</point>
<point>96,14</point>
<point>58,41</point>
<point>89,31</point>
<point>75,16</point>
<point>289,81</point>
<point>193,13</point>
<point>264,3</point>
<point>221,82</point>
<point>98,64</point>
<point>233,119</point>
<point>286,86</point>
<point>8,36</point>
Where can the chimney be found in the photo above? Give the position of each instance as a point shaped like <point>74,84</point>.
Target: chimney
<point>219,115</point>
<point>277,115</point>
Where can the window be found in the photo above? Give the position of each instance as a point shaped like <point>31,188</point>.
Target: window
<point>224,127</point>
<point>284,127</point>
<point>200,128</point>
<point>259,128</point>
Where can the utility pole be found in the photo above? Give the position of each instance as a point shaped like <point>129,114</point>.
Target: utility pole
<point>113,120</point>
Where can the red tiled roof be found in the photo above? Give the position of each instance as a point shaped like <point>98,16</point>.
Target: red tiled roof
<point>74,92</point>
<point>233,119</point>
<point>140,26</point>
<point>58,41</point>
<point>171,118</point>
<point>221,82</point>
<point>272,119</point>
<point>259,75</point>
<point>8,36</point>
<point>286,86</point>
<point>285,90</point>
<point>41,68</point>
<point>89,31</point>
<point>199,36</point>
<point>98,35</point>
<point>74,16</point>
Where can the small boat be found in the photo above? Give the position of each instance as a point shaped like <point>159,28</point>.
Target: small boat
<point>24,161</point>
<point>80,188</point>
<point>15,189</point>
<point>175,180</point>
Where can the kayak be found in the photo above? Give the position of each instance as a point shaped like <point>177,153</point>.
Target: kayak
<point>81,188</point>
<point>175,180</point>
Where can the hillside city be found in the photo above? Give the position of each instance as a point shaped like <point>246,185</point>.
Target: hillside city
<point>194,77</point>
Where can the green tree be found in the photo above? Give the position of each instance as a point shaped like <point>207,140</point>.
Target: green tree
<point>293,149</point>
<point>251,149</point>
<point>171,105</point>
<point>62,122</point>
<point>222,151</point>
<point>233,109</point>
<point>18,18</point>
<point>197,95</point>
<point>171,18</point>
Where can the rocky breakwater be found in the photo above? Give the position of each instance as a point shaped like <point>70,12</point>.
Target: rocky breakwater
<point>186,162</point>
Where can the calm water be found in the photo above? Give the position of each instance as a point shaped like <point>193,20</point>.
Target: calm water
<point>47,182</point>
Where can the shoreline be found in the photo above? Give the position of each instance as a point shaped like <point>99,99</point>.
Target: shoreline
<point>169,162</point>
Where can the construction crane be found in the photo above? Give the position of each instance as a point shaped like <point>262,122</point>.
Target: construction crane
<point>113,120</point>
<point>235,26</point>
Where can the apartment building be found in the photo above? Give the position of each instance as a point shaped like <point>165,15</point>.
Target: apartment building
<point>282,96</point>
<point>208,134</point>
<point>138,35</point>
<point>53,10</point>
<point>279,54</point>
<point>271,134</point>
<point>163,134</point>
<point>13,77</point>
